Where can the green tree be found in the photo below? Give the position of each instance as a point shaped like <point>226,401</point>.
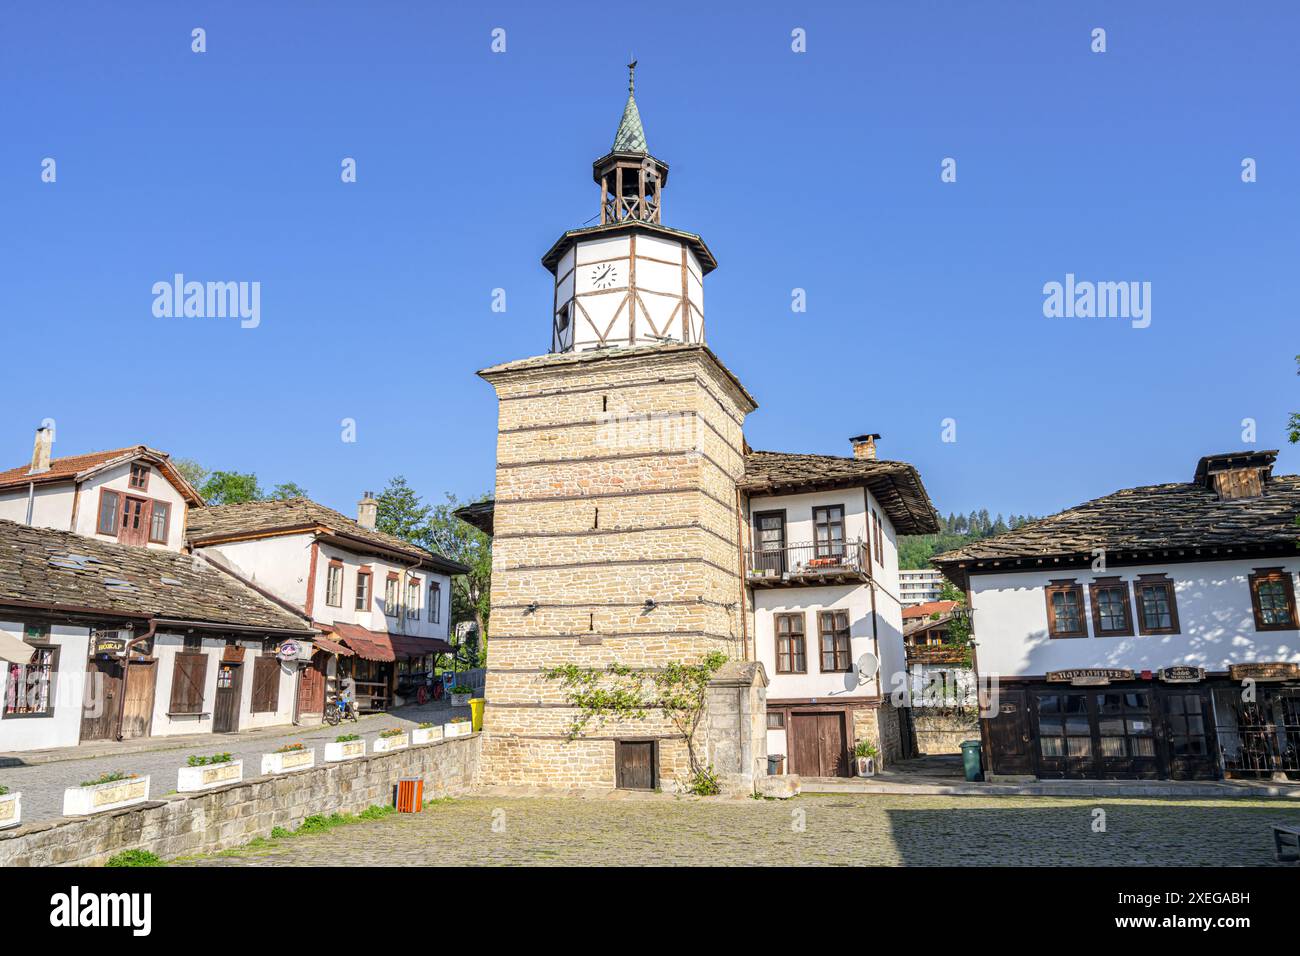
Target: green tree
<point>230,487</point>
<point>191,471</point>
<point>470,593</point>
<point>401,513</point>
<point>287,489</point>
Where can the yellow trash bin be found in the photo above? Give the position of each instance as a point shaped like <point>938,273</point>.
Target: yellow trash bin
<point>476,712</point>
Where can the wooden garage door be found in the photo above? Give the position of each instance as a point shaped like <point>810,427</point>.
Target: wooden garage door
<point>818,746</point>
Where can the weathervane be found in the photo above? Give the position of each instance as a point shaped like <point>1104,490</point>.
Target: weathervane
<point>631,75</point>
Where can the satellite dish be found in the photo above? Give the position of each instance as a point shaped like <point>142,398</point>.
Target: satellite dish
<point>868,665</point>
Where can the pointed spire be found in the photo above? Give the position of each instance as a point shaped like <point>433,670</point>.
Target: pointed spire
<point>630,137</point>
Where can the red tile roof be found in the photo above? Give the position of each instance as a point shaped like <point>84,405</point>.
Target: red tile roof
<point>925,610</point>
<point>70,466</point>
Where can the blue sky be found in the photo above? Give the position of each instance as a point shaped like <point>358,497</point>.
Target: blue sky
<point>816,170</point>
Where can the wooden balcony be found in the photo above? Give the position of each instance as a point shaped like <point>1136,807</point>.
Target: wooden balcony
<point>809,565</point>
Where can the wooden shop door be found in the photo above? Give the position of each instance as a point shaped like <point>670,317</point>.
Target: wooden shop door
<point>225,712</point>
<point>99,710</point>
<point>137,709</point>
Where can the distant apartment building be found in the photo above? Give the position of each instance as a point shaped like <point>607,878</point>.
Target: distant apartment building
<point>919,587</point>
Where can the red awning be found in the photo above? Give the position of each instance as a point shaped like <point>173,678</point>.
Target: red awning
<point>406,646</point>
<point>332,647</point>
<point>368,645</point>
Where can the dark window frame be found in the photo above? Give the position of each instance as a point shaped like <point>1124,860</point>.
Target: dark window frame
<point>166,519</point>
<point>135,469</point>
<point>1139,611</point>
<point>1065,586</point>
<point>828,524</point>
<point>116,515</point>
<point>1095,587</point>
<point>790,636</point>
<point>361,599</point>
<point>52,694</point>
<point>435,602</point>
<point>334,565</point>
<point>835,633</point>
<point>1269,575</point>
<point>779,723</point>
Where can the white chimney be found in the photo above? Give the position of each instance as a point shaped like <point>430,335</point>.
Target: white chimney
<point>41,450</point>
<point>864,447</point>
<point>367,511</point>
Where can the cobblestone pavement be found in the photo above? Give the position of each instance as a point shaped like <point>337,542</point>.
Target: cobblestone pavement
<point>809,830</point>
<point>42,785</point>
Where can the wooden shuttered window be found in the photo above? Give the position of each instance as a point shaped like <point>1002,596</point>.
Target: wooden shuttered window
<point>188,676</point>
<point>266,684</point>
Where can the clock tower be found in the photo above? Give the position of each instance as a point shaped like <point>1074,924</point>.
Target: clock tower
<point>630,280</point>
<point>617,511</point>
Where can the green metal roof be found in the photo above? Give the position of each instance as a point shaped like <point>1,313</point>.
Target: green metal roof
<point>630,137</point>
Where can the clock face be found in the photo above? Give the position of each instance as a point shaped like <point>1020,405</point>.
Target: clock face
<point>604,275</point>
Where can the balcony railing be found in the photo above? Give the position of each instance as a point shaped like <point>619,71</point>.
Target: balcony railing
<point>826,562</point>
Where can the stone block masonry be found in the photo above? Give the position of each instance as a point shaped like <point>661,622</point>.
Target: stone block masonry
<point>615,485</point>
<point>230,816</point>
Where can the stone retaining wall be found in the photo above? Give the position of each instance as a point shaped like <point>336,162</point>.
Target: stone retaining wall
<point>941,731</point>
<point>229,816</point>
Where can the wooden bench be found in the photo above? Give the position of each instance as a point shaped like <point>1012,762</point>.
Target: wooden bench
<point>1286,843</point>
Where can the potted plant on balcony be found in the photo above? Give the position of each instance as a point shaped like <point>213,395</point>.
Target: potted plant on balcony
<point>460,695</point>
<point>457,727</point>
<point>392,738</point>
<point>426,733</point>
<point>11,808</point>
<point>200,773</point>
<point>864,758</point>
<point>345,747</point>
<point>288,758</point>
<point>106,792</point>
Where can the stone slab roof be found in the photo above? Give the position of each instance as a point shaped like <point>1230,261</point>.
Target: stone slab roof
<point>253,519</point>
<point>896,484</point>
<point>1181,515</point>
<point>42,566</point>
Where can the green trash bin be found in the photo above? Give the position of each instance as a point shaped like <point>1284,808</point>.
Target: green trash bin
<point>970,759</point>
<point>476,713</point>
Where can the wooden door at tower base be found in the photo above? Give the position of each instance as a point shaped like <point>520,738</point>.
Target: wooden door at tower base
<point>818,745</point>
<point>634,765</point>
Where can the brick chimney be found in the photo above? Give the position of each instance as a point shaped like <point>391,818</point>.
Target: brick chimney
<point>41,451</point>
<point>367,511</point>
<point>864,447</point>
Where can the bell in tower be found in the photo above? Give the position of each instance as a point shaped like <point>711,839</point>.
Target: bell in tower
<point>630,178</point>
<point>628,280</point>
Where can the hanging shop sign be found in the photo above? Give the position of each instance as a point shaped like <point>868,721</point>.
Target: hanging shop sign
<point>233,654</point>
<point>1268,670</point>
<point>109,643</point>
<point>1181,674</point>
<point>294,650</point>
<point>1089,676</point>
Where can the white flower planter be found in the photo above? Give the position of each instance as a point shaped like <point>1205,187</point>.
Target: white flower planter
<point>80,801</point>
<point>190,779</point>
<point>345,750</point>
<point>288,761</point>
<point>865,766</point>
<point>11,810</point>
<point>426,735</point>
<point>461,728</point>
<point>460,700</point>
<point>397,742</point>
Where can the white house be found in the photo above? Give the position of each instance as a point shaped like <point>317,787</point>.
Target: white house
<point>1149,633</point>
<point>821,562</point>
<point>382,604</point>
<point>117,632</point>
